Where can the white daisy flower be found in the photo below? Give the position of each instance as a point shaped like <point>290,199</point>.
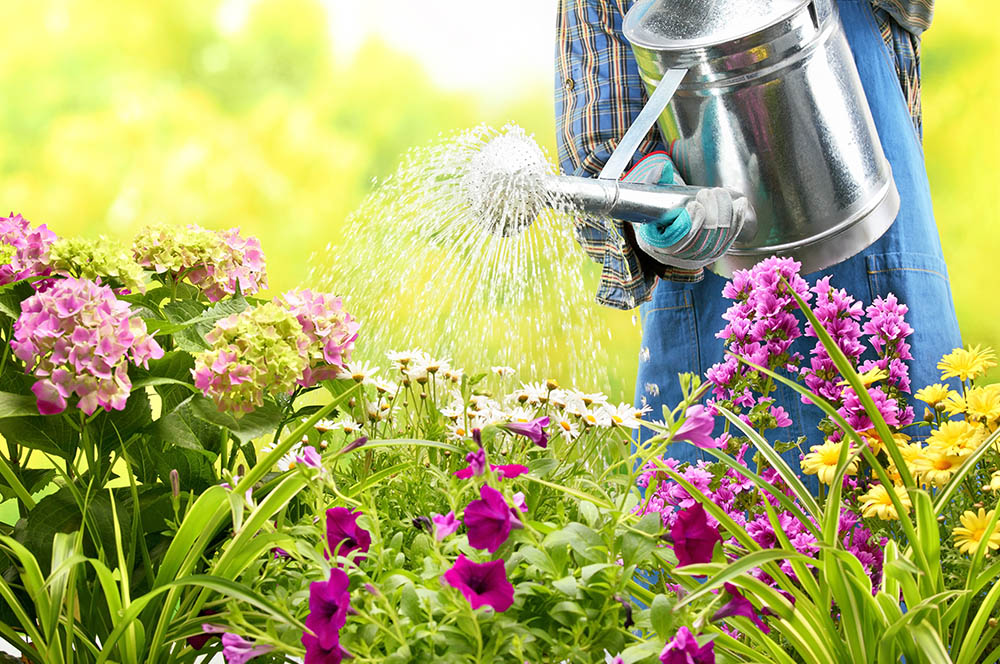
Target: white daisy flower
<point>567,428</point>
<point>359,372</point>
<point>652,389</point>
<point>622,415</point>
<point>589,399</point>
<point>347,424</point>
<point>532,393</point>
<point>383,386</point>
<point>458,432</point>
<point>503,372</point>
<point>454,374</point>
<point>402,359</point>
<point>596,418</point>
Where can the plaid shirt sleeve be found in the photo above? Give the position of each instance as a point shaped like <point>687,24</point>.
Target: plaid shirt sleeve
<point>598,93</point>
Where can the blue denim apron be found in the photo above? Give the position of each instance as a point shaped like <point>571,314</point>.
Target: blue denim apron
<point>680,322</point>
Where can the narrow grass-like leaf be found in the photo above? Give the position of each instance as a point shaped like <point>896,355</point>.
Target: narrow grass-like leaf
<point>790,477</point>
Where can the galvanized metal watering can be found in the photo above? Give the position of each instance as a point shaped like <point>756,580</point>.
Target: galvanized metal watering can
<point>761,97</point>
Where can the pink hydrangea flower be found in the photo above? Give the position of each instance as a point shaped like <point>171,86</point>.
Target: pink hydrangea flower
<point>220,263</point>
<point>331,332</point>
<point>78,339</point>
<point>29,248</point>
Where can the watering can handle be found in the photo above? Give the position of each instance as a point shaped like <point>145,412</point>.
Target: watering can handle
<point>647,117</point>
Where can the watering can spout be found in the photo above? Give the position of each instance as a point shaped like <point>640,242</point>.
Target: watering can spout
<point>637,203</point>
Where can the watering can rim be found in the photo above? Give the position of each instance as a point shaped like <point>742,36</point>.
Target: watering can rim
<point>642,37</point>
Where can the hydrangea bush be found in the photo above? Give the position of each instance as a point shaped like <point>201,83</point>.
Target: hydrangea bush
<point>202,472</point>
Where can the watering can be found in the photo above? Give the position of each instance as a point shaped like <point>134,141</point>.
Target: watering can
<point>761,97</point>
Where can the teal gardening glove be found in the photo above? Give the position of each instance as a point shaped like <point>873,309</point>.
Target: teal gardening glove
<point>691,237</point>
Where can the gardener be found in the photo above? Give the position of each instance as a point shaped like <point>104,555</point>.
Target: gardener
<point>599,94</point>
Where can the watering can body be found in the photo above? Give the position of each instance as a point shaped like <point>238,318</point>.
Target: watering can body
<point>771,106</point>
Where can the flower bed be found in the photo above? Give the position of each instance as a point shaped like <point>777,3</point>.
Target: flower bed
<point>200,471</point>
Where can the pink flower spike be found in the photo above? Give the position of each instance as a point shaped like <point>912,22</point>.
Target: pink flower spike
<point>444,525</point>
<point>697,427</point>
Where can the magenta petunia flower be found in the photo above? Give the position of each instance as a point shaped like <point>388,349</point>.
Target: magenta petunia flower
<point>317,654</point>
<point>329,602</point>
<point>343,534</point>
<point>309,457</point>
<point>511,471</point>
<point>697,427</point>
<point>738,605</point>
<point>694,539</point>
<point>683,649</point>
<point>444,525</point>
<point>489,520</point>
<point>534,430</point>
<point>477,461</point>
<point>483,584</point>
<point>518,500</point>
<point>238,650</point>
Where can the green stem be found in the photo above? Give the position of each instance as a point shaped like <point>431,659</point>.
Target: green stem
<point>19,489</point>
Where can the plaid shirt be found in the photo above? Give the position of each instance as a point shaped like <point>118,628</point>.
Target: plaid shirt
<point>599,94</point>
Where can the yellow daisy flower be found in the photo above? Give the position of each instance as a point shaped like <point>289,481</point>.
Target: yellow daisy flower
<point>956,438</point>
<point>933,394</point>
<point>822,462</point>
<point>969,535</point>
<point>983,403</point>
<point>994,482</point>
<point>934,467</point>
<point>954,404</point>
<point>869,377</point>
<point>967,364</point>
<point>877,503</point>
<point>910,452</point>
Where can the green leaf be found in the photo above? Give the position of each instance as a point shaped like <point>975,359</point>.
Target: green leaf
<point>115,427</point>
<point>17,405</point>
<point>183,427</point>
<point>11,296</point>
<point>50,434</point>
<point>566,585</point>
<point>661,616</point>
<point>637,545</point>
<point>409,604</point>
<point>59,513</point>
<point>195,322</point>
<point>264,420</point>
<point>589,513</point>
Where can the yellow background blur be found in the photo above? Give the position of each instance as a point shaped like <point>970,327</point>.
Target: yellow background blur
<point>117,114</point>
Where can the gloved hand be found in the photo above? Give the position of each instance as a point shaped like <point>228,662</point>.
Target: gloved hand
<point>694,236</point>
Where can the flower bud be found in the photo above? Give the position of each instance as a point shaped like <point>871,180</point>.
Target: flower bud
<point>350,447</point>
<point>551,384</point>
<point>175,483</point>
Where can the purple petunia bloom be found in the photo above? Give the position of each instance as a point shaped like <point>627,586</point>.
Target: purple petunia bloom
<point>489,520</point>
<point>683,649</point>
<point>329,602</point>
<point>697,427</point>
<point>238,650</point>
<point>309,457</point>
<point>317,654</point>
<point>694,539</point>
<point>476,461</point>
<point>534,430</point>
<point>510,470</point>
<point>738,605</point>
<point>518,500</point>
<point>342,530</point>
<point>444,525</point>
<point>483,584</point>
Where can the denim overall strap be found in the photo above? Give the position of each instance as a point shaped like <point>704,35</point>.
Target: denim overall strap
<point>680,322</point>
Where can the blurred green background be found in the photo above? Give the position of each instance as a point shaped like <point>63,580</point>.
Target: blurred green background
<point>115,115</point>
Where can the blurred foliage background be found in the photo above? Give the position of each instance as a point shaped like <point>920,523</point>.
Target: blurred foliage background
<point>119,114</point>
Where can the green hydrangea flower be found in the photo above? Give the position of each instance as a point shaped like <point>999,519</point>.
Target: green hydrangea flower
<point>259,350</point>
<point>104,258</point>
